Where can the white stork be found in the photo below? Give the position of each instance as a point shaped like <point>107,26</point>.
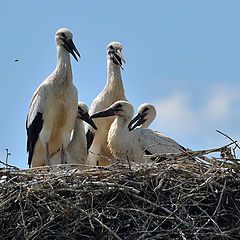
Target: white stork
<point>134,145</point>
<point>146,113</point>
<point>113,91</point>
<point>76,151</point>
<point>53,108</point>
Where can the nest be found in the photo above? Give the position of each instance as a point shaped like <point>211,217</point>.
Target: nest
<point>186,196</point>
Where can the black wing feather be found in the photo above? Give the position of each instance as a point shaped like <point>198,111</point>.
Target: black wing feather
<point>90,137</point>
<point>32,135</point>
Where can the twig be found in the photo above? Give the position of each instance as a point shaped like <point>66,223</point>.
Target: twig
<point>220,199</point>
<point>10,198</point>
<point>9,166</point>
<point>107,228</point>
<point>21,209</point>
<point>225,135</point>
<point>129,164</point>
<point>163,208</point>
<point>210,218</point>
<point>8,154</point>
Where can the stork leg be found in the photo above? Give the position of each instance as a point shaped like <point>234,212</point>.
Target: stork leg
<point>63,160</point>
<point>94,155</point>
<point>47,156</point>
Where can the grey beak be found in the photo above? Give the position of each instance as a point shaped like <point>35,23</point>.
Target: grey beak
<point>70,47</point>
<point>85,117</point>
<point>139,119</point>
<point>118,57</point>
<point>105,113</point>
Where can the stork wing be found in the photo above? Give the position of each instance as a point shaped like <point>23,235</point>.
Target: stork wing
<point>34,121</point>
<point>155,142</point>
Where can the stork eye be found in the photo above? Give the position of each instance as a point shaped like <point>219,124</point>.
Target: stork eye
<point>111,47</point>
<point>80,110</point>
<point>63,34</point>
<point>119,105</point>
<point>145,109</point>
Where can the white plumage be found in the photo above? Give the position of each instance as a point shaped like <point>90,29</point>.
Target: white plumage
<point>53,107</point>
<point>134,145</point>
<point>113,91</point>
<point>76,152</point>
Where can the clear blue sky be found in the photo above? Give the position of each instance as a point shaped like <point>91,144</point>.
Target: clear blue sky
<point>182,56</point>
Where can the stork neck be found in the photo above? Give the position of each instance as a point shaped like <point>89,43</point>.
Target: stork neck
<point>63,69</point>
<point>114,79</point>
<point>78,131</point>
<point>121,123</point>
<point>118,131</point>
<point>146,123</point>
<point>63,56</point>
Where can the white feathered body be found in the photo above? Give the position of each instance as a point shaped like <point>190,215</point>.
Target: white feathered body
<point>57,99</point>
<point>112,92</point>
<point>132,144</point>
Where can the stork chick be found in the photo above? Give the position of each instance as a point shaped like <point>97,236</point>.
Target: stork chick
<point>134,145</point>
<point>52,110</point>
<point>76,151</point>
<point>113,91</point>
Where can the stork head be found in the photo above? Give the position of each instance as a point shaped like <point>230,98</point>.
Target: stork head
<point>145,115</point>
<point>64,38</point>
<point>121,108</point>
<point>83,114</point>
<point>114,53</point>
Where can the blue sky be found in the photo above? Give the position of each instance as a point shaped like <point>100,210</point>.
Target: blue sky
<point>182,56</point>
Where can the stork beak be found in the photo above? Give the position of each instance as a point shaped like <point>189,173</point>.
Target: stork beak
<point>71,48</point>
<point>118,57</point>
<point>105,113</point>
<point>139,119</point>
<point>85,117</point>
<point>121,56</point>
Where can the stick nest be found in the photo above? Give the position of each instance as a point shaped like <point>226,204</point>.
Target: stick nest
<point>186,196</point>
